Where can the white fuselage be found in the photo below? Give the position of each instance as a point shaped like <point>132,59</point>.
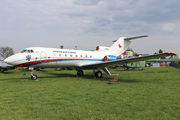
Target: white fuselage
<point>51,57</point>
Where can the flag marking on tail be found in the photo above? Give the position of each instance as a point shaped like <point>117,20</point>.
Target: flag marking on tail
<point>120,46</point>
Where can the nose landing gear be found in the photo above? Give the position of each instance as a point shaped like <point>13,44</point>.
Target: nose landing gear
<point>33,76</point>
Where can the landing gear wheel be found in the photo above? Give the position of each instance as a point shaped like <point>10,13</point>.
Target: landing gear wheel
<point>2,71</point>
<point>98,74</point>
<point>33,77</point>
<point>80,73</point>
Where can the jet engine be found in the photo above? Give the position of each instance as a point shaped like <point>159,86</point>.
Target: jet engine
<point>110,58</point>
<point>102,48</point>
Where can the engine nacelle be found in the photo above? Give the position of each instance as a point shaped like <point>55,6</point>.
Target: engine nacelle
<point>102,48</point>
<point>110,58</point>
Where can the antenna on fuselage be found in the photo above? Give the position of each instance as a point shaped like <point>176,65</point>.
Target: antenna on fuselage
<point>75,47</point>
<point>61,46</point>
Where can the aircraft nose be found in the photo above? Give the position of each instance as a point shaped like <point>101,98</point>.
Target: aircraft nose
<point>8,60</point>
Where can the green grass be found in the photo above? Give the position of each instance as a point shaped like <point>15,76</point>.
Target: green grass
<point>149,95</point>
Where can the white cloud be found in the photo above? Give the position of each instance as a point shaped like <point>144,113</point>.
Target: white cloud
<point>168,27</point>
<point>80,20</point>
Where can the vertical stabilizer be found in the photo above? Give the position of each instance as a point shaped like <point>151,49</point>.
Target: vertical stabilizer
<point>120,45</point>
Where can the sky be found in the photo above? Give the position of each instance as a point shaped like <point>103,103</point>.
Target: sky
<point>90,23</point>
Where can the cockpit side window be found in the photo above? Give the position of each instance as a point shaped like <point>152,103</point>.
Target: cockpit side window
<point>32,51</point>
<point>23,51</point>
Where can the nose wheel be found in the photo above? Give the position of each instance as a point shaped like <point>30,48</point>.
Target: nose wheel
<point>33,76</point>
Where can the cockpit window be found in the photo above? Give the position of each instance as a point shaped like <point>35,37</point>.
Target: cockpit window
<point>27,51</point>
<point>23,51</point>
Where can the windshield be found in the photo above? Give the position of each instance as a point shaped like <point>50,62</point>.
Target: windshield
<point>27,51</point>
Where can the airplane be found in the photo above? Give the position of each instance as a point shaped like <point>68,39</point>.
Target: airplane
<point>101,58</point>
<point>132,66</point>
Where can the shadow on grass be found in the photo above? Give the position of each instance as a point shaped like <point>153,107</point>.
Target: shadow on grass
<point>67,75</point>
<point>13,79</point>
<point>88,76</point>
<point>7,72</point>
<point>124,81</point>
<point>54,75</point>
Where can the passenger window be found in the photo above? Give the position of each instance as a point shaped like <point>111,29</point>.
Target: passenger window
<point>76,55</point>
<point>71,55</point>
<point>81,56</point>
<point>60,55</point>
<point>65,55</point>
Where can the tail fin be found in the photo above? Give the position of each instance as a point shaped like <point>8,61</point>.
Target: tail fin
<point>121,45</point>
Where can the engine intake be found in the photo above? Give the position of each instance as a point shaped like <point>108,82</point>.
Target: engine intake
<point>102,48</point>
<point>110,58</point>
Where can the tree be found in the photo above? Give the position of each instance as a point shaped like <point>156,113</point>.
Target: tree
<point>160,51</point>
<point>6,52</point>
<point>155,53</point>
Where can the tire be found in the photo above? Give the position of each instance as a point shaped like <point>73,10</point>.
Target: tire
<point>34,77</point>
<point>98,74</point>
<point>80,73</point>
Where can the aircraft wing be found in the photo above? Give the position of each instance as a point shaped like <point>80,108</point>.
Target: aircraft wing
<point>124,61</point>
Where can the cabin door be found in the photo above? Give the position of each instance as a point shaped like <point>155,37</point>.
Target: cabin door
<point>43,57</point>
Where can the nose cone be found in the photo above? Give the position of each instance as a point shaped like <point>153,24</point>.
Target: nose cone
<point>9,60</point>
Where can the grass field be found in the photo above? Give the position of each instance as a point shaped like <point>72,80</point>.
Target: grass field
<point>153,94</point>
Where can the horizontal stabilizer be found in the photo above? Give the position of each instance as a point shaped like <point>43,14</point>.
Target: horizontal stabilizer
<point>131,38</point>
<point>135,37</point>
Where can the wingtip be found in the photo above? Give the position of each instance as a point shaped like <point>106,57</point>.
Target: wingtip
<point>171,53</point>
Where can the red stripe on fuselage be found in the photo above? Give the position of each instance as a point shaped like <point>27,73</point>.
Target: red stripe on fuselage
<point>53,60</point>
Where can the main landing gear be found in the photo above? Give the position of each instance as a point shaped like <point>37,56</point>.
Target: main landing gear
<point>80,73</point>
<point>98,73</point>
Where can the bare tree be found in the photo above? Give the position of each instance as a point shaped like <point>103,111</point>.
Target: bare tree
<point>6,52</point>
